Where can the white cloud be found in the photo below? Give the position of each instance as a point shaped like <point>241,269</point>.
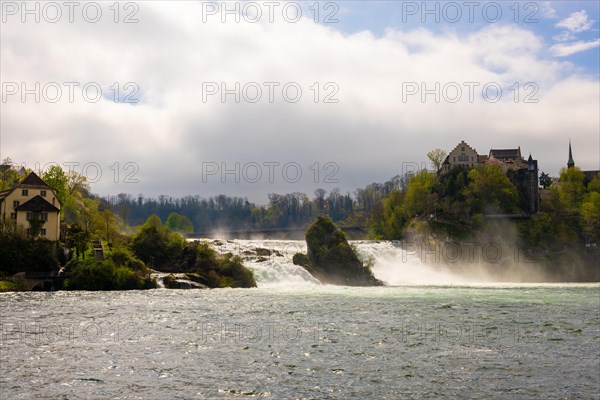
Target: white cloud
<point>576,22</point>
<point>369,133</point>
<point>564,36</point>
<point>567,49</point>
<point>548,12</point>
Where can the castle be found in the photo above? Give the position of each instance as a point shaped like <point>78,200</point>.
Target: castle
<point>522,173</point>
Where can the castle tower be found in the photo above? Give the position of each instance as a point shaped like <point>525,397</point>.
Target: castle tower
<point>570,163</point>
<point>534,194</point>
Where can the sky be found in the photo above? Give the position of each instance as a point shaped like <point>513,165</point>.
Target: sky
<point>250,98</point>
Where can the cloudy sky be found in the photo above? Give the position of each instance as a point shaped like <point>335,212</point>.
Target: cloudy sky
<point>249,98</point>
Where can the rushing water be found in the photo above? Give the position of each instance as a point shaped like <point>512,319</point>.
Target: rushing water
<point>295,338</point>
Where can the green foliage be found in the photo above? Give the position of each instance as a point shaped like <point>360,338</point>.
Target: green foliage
<point>327,242</point>
<point>156,245</point>
<point>571,189</point>
<point>437,157</point>
<point>7,286</point>
<point>594,184</point>
<point>332,259</point>
<point>123,257</point>
<point>390,218</point>
<point>179,223</point>
<point>9,178</point>
<point>220,271</point>
<point>104,275</point>
<point>20,253</point>
<point>206,257</point>
<point>57,179</point>
<point>35,225</point>
<point>545,180</point>
<point>195,257</point>
<point>490,191</point>
<point>233,273</point>
<point>419,199</point>
<point>538,231</point>
<point>301,260</point>
<point>590,215</point>
<point>395,216</point>
<point>78,240</point>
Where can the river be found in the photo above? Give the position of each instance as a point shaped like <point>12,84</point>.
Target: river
<point>449,337</point>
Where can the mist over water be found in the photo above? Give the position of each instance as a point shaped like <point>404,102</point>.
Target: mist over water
<point>393,262</point>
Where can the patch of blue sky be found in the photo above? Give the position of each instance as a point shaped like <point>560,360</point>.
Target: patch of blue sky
<point>569,29</point>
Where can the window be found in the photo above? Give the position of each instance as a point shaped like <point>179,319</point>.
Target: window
<point>13,215</point>
<point>43,232</point>
<point>44,217</point>
<point>462,149</point>
<point>43,193</point>
<point>15,203</point>
<point>30,216</point>
<point>25,192</point>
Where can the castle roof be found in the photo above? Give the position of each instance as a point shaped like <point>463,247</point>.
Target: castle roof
<point>505,153</point>
<point>570,163</point>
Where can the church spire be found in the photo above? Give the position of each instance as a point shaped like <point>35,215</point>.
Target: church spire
<point>570,163</point>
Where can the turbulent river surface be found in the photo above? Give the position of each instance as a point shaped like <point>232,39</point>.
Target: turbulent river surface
<point>428,334</point>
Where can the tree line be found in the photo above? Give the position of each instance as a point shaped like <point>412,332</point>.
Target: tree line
<point>234,213</point>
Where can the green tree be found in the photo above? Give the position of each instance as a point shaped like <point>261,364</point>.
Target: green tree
<point>394,215</point>
<point>571,189</point>
<point>594,185</point>
<point>179,223</point>
<point>56,178</point>
<point>418,197</point>
<point>590,214</point>
<point>77,183</point>
<point>109,221</point>
<point>78,240</point>
<point>489,190</point>
<point>156,245</point>
<point>9,177</point>
<point>437,157</point>
<point>545,180</point>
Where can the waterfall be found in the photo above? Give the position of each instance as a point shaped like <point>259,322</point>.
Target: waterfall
<point>271,262</point>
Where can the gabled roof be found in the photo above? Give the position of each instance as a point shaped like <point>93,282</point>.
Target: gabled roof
<point>37,204</point>
<point>33,180</point>
<point>503,153</point>
<point>464,144</point>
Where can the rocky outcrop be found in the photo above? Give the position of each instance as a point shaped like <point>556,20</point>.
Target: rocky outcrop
<point>331,259</point>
